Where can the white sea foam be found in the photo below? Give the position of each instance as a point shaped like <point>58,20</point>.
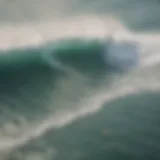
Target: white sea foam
<point>33,34</point>
<point>87,107</point>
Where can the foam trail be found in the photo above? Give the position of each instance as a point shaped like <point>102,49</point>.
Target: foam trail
<point>150,56</point>
<point>48,56</point>
<point>94,103</point>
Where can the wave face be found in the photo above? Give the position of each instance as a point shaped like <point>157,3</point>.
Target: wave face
<point>79,87</point>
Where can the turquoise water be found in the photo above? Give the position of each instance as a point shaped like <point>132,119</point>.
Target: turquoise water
<point>69,106</point>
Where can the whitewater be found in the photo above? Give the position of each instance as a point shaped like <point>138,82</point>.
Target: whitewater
<point>52,110</point>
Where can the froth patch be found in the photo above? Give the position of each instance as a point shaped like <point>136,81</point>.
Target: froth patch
<point>15,35</point>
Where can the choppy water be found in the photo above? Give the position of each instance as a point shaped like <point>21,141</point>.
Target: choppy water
<point>84,110</point>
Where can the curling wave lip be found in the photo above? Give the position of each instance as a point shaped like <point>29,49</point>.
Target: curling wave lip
<point>93,55</point>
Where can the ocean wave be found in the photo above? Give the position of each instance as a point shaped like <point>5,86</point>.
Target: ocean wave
<point>45,87</point>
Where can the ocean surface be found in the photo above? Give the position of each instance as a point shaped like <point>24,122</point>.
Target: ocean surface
<point>52,110</point>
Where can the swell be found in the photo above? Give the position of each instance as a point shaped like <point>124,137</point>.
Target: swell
<point>25,82</point>
<point>30,87</point>
<point>36,93</point>
<point>30,76</point>
<point>27,78</point>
